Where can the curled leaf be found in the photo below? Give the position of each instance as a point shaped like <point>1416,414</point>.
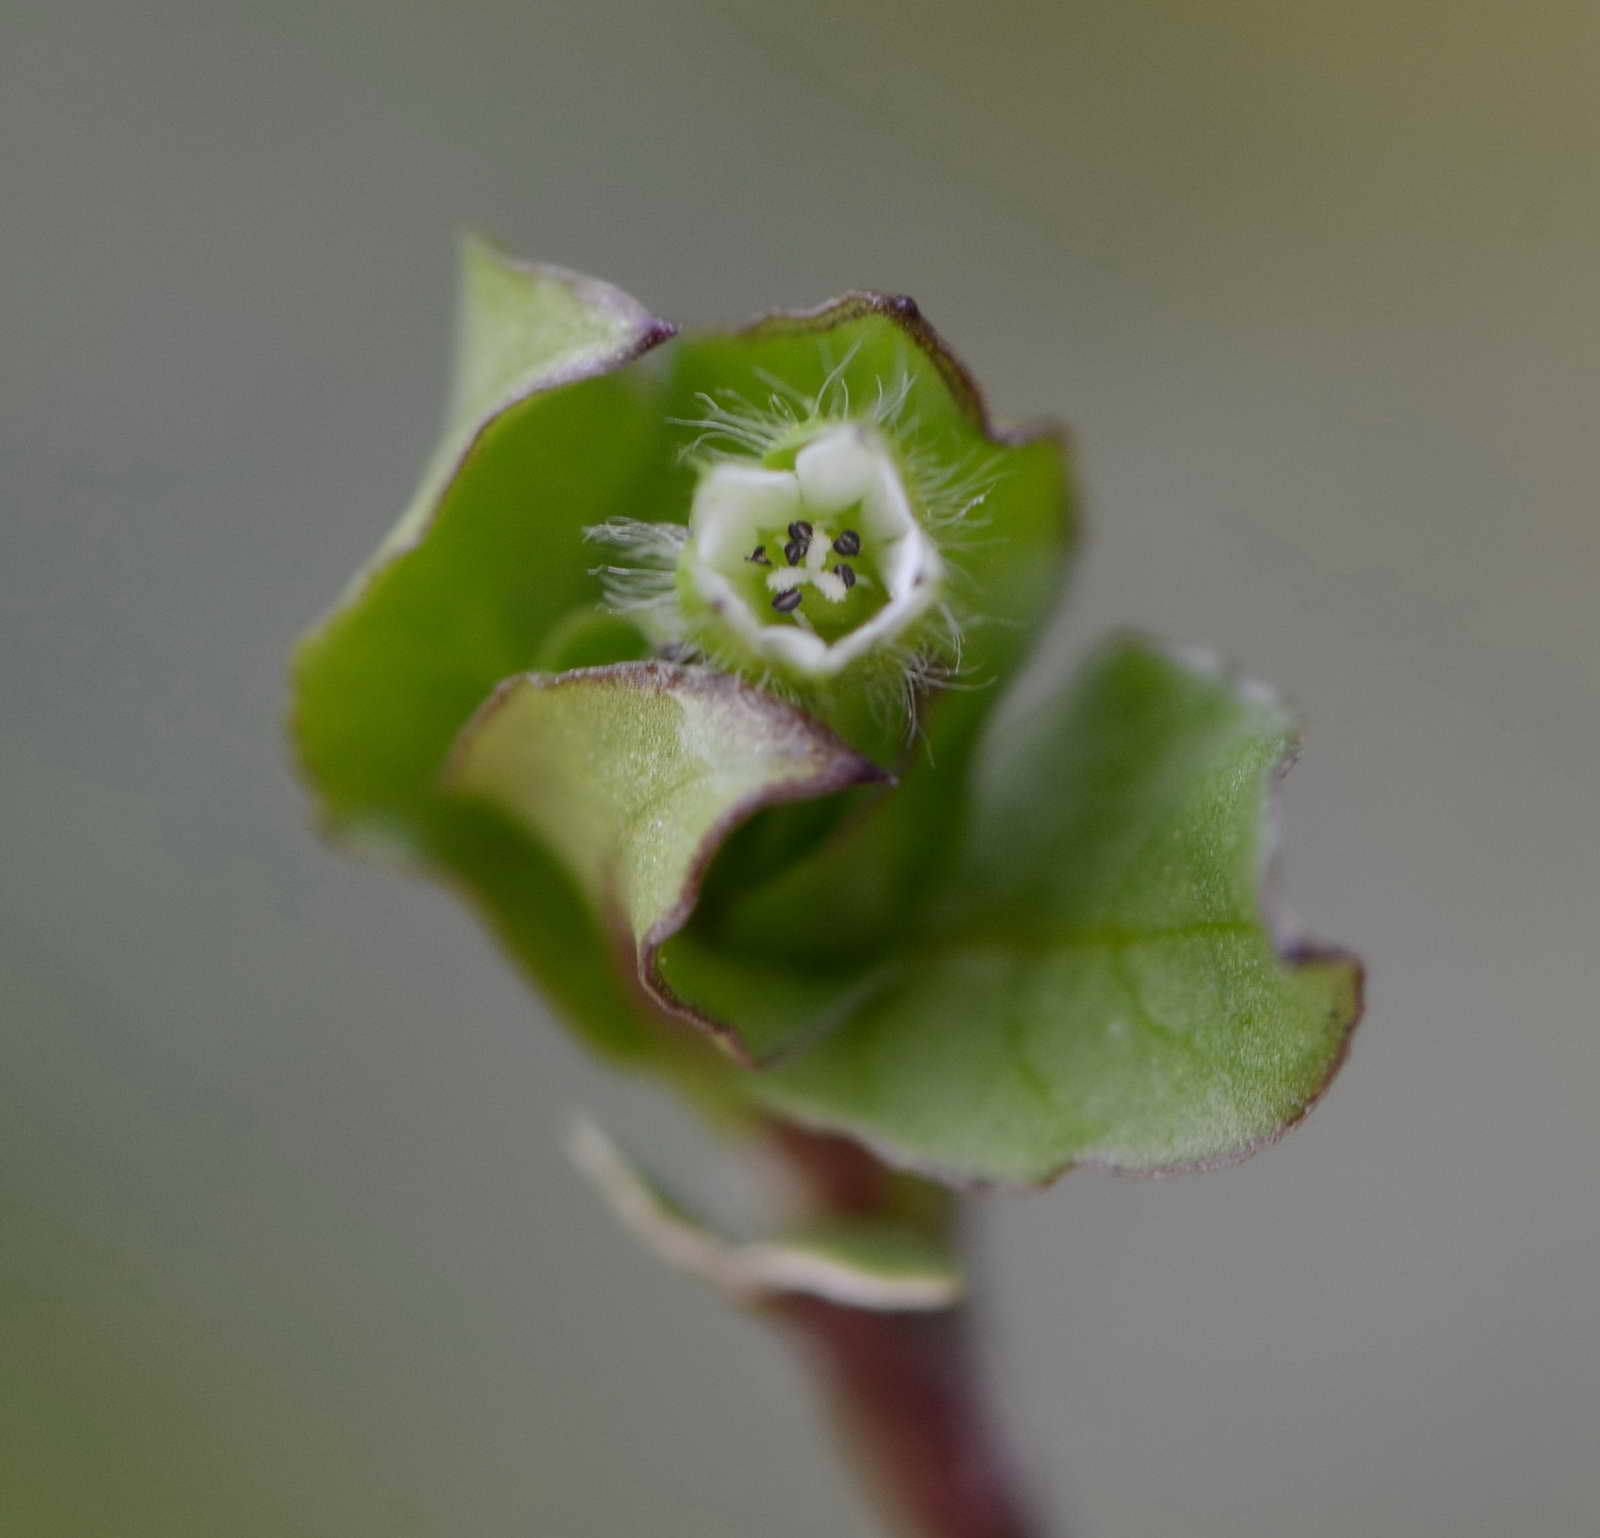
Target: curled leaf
<point>1101,984</point>
<point>867,1263</point>
<point>542,435</point>
<point>485,576</point>
<point>636,774</point>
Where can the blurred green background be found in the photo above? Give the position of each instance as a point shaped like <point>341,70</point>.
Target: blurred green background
<point>286,1244</point>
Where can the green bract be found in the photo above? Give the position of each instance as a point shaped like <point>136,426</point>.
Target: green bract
<point>691,669</point>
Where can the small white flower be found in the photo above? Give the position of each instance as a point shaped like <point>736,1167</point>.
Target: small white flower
<point>836,530</point>
<point>811,549</point>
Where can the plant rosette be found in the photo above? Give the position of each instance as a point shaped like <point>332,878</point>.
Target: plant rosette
<point>693,665</point>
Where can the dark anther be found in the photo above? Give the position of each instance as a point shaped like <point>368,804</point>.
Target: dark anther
<point>787,601</point>
<point>795,551</point>
<point>848,543</point>
<point>759,556</point>
<point>800,529</point>
<point>846,574</point>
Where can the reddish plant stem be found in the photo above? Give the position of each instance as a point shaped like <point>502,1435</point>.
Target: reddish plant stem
<point>906,1388</point>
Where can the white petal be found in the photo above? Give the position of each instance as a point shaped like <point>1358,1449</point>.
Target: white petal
<point>886,510</point>
<point>798,648</point>
<point>734,502</point>
<point>838,468</point>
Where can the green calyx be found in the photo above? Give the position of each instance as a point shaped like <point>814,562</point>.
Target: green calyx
<point>691,678</point>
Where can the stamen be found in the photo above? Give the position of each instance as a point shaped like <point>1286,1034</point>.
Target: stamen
<point>787,601</point>
<point>846,574</point>
<point>848,543</point>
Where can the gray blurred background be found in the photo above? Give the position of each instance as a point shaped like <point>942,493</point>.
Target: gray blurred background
<point>287,1245</point>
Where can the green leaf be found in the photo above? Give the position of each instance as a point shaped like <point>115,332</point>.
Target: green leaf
<point>542,438</point>
<point>480,580</point>
<point>870,1263</point>
<point>635,774</point>
<point>1100,985</point>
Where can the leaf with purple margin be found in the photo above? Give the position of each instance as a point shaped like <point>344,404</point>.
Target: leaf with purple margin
<point>482,578</point>
<point>1100,984</point>
<point>634,775</point>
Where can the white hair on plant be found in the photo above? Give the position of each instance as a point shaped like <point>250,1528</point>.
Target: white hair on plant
<point>951,491</point>
<point>731,424</point>
<point>815,543</point>
<point>642,583</point>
